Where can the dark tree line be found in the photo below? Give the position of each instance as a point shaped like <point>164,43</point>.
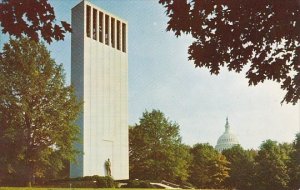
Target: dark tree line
<point>157,153</point>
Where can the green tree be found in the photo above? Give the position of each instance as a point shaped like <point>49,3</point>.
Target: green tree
<point>261,36</point>
<point>241,168</point>
<point>271,167</point>
<point>209,168</point>
<point>294,167</point>
<point>37,112</point>
<point>31,18</point>
<point>156,151</point>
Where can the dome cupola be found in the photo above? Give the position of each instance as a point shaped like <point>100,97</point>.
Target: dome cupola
<point>227,139</point>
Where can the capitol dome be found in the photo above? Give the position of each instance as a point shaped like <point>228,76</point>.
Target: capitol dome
<point>227,139</point>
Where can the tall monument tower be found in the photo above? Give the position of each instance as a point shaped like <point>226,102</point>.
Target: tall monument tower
<point>99,74</point>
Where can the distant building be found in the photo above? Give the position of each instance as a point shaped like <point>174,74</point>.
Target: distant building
<point>99,74</point>
<point>227,139</point>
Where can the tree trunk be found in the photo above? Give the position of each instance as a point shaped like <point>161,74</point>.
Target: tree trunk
<point>30,174</point>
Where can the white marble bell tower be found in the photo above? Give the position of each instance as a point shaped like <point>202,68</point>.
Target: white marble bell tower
<point>99,58</point>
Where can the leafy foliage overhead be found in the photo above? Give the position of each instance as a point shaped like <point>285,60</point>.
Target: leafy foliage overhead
<point>32,18</point>
<point>262,34</point>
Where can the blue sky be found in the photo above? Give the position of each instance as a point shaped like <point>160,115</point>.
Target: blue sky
<point>161,77</point>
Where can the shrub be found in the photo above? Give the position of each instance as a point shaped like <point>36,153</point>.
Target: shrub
<point>87,182</point>
<point>71,183</point>
<point>105,182</point>
<point>138,184</point>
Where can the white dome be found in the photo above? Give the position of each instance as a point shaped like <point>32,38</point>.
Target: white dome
<point>227,140</point>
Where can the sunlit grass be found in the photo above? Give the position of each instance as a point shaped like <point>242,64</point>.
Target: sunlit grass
<point>49,188</point>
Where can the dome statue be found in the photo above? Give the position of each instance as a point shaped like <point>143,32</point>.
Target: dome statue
<point>227,139</point>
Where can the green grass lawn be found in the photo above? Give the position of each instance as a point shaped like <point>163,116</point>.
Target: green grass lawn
<point>49,188</point>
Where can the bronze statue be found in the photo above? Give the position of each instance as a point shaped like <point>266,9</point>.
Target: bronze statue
<point>108,167</point>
